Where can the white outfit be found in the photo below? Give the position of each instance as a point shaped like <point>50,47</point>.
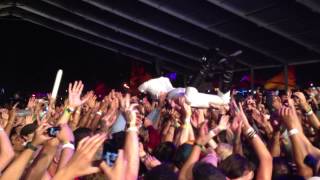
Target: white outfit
<point>162,84</point>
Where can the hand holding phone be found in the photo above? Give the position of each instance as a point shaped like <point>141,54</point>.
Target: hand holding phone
<point>53,131</point>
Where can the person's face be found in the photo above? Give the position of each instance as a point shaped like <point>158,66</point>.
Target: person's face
<point>17,143</point>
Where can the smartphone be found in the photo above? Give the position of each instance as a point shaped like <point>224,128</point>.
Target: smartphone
<point>110,158</point>
<point>53,131</point>
<point>269,102</point>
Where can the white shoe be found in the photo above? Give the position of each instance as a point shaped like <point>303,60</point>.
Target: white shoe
<point>155,86</point>
<point>202,100</point>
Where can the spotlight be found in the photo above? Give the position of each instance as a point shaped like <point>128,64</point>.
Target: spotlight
<point>204,58</point>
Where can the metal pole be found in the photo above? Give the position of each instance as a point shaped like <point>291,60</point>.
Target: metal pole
<point>286,76</point>
<point>252,78</point>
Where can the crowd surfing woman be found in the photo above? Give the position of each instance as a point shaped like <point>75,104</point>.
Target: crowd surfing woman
<point>262,136</point>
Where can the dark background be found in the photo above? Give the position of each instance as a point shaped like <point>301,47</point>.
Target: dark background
<point>31,55</point>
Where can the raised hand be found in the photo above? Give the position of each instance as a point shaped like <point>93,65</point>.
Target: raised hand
<point>224,122</point>
<point>186,108</point>
<point>301,101</point>
<point>41,135</point>
<point>91,99</point>
<point>151,162</point>
<point>203,136</point>
<point>29,119</point>
<point>81,162</point>
<point>31,103</point>
<point>239,113</point>
<point>75,91</point>
<point>197,117</point>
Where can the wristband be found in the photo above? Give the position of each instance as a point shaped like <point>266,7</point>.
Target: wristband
<point>251,133</point>
<point>134,129</point>
<point>69,110</point>
<point>200,146</point>
<point>68,145</point>
<point>293,132</point>
<point>309,113</point>
<point>99,113</point>
<point>212,133</point>
<point>29,145</point>
<point>1,129</point>
<point>250,130</point>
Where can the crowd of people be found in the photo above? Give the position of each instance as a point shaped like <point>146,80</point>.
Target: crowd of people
<point>264,135</point>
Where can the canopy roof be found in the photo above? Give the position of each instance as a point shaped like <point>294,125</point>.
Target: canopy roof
<point>177,33</point>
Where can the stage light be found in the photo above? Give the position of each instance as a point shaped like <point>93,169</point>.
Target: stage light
<point>204,58</point>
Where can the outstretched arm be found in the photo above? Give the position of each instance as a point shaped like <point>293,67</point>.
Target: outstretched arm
<point>6,150</point>
<point>17,167</point>
<point>265,159</point>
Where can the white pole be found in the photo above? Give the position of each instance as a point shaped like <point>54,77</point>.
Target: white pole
<point>56,84</point>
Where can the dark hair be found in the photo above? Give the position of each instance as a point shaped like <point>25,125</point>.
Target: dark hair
<point>13,131</point>
<point>234,166</point>
<point>114,144</point>
<point>165,152</point>
<point>28,129</point>
<point>81,133</point>
<point>222,137</point>
<point>280,168</point>
<point>161,172</point>
<point>182,154</point>
<point>206,171</point>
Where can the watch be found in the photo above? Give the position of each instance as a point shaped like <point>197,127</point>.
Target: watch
<point>29,145</point>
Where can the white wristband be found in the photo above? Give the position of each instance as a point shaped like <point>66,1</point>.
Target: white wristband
<point>212,134</point>
<point>309,113</point>
<point>293,132</point>
<point>1,129</point>
<point>135,129</point>
<point>68,145</point>
<point>249,130</point>
<point>99,113</point>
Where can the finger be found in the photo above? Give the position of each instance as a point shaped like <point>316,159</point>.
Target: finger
<point>80,88</point>
<point>88,144</point>
<point>120,158</point>
<point>92,170</point>
<point>85,99</point>
<point>96,144</point>
<point>82,142</point>
<point>74,87</point>
<point>15,105</point>
<point>69,87</point>
<point>105,168</point>
<point>127,100</point>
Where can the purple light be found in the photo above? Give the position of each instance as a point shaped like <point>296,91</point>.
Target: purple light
<point>172,76</point>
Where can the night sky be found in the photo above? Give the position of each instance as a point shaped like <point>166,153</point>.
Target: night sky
<point>31,55</point>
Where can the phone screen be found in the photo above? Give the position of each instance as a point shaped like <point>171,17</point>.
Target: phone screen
<point>110,158</point>
<point>53,131</point>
